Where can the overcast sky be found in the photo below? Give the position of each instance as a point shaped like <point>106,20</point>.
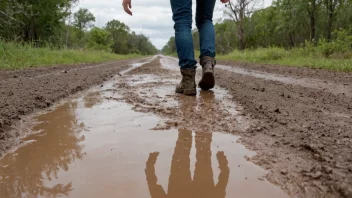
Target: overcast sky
<point>153,18</point>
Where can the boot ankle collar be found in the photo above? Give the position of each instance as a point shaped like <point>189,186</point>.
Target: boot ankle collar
<point>205,59</point>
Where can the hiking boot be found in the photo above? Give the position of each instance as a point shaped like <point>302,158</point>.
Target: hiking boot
<point>188,82</point>
<point>208,81</point>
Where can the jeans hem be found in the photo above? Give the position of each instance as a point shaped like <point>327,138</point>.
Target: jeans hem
<point>189,67</point>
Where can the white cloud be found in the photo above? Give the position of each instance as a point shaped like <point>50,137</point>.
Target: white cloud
<point>152,17</point>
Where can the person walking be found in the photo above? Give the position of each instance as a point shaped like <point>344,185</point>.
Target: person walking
<point>182,16</point>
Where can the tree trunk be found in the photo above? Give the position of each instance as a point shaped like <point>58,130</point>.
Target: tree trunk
<point>330,10</point>
<point>242,42</point>
<point>292,43</point>
<point>241,23</point>
<point>312,14</point>
<point>30,31</point>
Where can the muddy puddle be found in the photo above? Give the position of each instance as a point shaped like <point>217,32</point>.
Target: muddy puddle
<point>109,143</point>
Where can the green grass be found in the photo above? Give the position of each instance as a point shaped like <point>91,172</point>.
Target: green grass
<point>17,56</point>
<point>298,57</point>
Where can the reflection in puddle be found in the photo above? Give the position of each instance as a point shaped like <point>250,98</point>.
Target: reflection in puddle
<point>91,99</point>
<point>107,150</point>
<point>97,146</point>
<point>23,173</point>
<point>181,183</point>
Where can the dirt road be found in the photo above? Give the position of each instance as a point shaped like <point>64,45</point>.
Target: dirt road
<point>25,91</point>
<point>120,137</point>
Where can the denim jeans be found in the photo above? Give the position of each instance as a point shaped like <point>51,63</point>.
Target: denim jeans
<point>182,16</point>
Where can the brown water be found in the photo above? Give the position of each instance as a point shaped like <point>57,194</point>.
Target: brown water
<point>93,146</point>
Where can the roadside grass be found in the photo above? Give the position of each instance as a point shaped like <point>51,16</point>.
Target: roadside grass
<point>298,57</point>
<point>18,56</point>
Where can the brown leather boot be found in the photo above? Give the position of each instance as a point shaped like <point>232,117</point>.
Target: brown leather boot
<point>188,82</point>
<point>208,81</point>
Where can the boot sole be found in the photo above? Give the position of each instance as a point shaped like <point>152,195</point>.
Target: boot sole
<point>207,82</point>
<point>190,92</point>
<point>179,90</point>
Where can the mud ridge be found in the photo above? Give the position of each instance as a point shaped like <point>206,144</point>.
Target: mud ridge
<point>303,137</point>
<point>152,90</point>
<point>335,76</point>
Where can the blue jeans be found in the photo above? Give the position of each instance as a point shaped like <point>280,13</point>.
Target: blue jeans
<point>182,16</point>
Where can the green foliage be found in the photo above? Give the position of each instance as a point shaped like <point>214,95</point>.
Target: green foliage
<point>287,24</point>
<point>340,47</point>
<point>120,34</point>
<point>99,39</point>
<point>83,19</point>
<point>16,56</point>
<point>125,42</point>
<point>225,40</point>
<point>292,57</point>
<point>312,33</point>
<point>33,20</point>
<point>170,47</point>
<point>326,48</point>
<point>48,23</point>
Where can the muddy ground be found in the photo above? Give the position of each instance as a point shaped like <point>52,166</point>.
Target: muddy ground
<point>298,120</point>
<point>24,91</point>
<point>304,133</point>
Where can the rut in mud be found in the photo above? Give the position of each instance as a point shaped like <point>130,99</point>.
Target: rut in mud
<point>299,127</point>
<point>96,145</point>
<point>25,91</point>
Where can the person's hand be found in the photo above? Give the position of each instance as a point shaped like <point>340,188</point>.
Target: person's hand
<point>224,1</point>
<point>127,6</point>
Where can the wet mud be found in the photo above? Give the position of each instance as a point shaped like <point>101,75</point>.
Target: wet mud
<point>324,85</point>
<point>96,146</point>
<point>292,72</point>
<point>25,91</point>
<point>264,131</point>
<point>300,127</point>
<point>304,131</point>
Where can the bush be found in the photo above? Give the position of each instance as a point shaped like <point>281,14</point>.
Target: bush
<point>99,39</point>
<point>274,53</point>
<point>17,55</point>
<point>340,47</point>
<point>326,48</point>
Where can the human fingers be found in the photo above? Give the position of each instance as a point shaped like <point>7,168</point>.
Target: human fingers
<point>127,6</point>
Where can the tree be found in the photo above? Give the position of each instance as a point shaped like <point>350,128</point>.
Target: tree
<point>170,46</point>
<point>83,20</point>
<point>99,39</point>
<point>119,32</point>
<point>312,8</point>
<point>238,10</point>
<point>224,37</point>
<point>33,20</point>
<point>330,6</point>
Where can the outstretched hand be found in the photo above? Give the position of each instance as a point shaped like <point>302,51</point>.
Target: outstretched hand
<point>127,6</point>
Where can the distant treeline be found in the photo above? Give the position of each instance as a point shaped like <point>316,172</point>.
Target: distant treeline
<point>326,24</point>
<point>52,23</point>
